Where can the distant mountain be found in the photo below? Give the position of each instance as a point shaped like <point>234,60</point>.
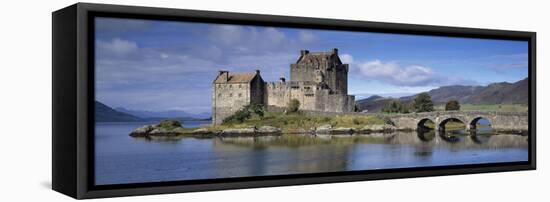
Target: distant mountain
<point>495,93</point>
<point>174,114</point>
<point>104,113</point>
<point>372,104</point>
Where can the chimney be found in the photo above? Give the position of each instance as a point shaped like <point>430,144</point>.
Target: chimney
<point>222,72</point>
<point>304,52</point>
<point>282,79</point>
<point>335,51</point>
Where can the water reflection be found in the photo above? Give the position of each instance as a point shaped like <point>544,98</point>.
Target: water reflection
<point>439,138</point>
<point>122,159</point>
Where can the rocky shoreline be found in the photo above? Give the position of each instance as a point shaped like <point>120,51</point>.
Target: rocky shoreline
<point>170,128</point>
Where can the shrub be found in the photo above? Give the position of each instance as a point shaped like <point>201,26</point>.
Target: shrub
<point>245,113</point>
<point>452,105</point>
<point>293,106</point>
<point>169,124</point>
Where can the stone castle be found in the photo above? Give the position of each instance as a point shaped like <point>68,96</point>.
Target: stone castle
<point>319,80</point>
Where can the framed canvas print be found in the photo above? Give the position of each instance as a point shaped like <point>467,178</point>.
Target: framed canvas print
<point>153,100</point>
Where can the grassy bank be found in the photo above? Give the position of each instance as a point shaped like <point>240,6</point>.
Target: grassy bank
<point>297,121</point>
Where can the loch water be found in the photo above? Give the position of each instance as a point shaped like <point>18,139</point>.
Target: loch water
<point>121,159</point>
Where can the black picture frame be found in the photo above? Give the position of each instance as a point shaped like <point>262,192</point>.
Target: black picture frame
<point>73,103</point>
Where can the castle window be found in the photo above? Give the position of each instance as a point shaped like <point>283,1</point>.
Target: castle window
<point>219,94</point>
<point>230,94</point>
<point>240,94</point>
<point>240,86</point>
<point>230,86</point>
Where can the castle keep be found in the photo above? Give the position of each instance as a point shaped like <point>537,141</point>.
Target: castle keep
<point>318,80</point>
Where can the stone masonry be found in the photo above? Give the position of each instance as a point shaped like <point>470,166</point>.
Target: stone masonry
<point>319,80</point>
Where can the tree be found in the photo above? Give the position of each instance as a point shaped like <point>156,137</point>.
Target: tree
<point>396,106</point>
<point>423,103</point>
<point>452,105</point>
<point>293,106</point>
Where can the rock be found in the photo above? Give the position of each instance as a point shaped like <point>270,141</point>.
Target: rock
<point>269,130</point>
<point>202,131</point>
<point>238,131</point>
<point>378,128</point>
<point>161,132</point>
<point>341,130</point>
<point>390,128</point>
<point>142,131</point>
<point>324,129</point>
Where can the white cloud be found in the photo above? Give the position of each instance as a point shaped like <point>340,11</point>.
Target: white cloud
<point>307,37</point>
<point>509,62</point>
<point>153,77</point>
<point>393,73</point>
<point>346,58</point>
<point>247,39</point>
<point>117,46</point>
<point>396,74</point>
<point>226,34</point>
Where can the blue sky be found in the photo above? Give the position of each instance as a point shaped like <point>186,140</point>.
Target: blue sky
<point>165,65</point>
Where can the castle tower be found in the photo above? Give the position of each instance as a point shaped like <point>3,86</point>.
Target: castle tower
<point>322,68</point>
<point>232,91</point>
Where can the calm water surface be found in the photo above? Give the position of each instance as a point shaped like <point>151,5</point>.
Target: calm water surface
<point>123,159</point>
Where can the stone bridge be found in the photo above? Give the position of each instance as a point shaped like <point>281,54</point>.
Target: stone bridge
<point>499,121</point>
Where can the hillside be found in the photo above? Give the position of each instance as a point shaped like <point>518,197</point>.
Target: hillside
<point>372,104</point>
<point>104,113</point>
<point>495,93</point>
<point>167,114</point>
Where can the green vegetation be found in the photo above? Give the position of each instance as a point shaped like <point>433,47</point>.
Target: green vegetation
<point>423,103</point>
<point>396,106</point>
<point>452,105</point>
<point>247,112</point>
<point>169,124</point>
<point>293,106</point>
<point>294,122</point>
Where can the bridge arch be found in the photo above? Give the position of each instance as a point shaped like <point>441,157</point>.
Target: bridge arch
<point>421,124</point>
<point>441,125</point>
<point>473,123</point>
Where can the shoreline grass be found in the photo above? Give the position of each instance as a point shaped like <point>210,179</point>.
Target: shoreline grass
<point>295,122</point>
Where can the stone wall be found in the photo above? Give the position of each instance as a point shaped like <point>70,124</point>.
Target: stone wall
<point>229,98</point>
<point>312,98</point>
<point>277,94</point>
<point>500,121</point>
<point>318,81</point>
